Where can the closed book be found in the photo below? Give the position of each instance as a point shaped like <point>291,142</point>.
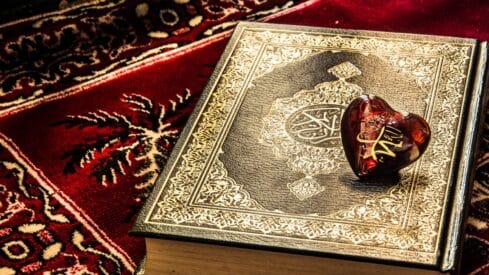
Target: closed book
<point>258,182</point>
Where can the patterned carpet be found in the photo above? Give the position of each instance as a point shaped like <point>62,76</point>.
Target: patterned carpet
<point>53,51</point>
<point>107,142</point>
<point>93,95</point>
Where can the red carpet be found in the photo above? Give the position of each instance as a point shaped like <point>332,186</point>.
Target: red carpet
<point>92,100</point>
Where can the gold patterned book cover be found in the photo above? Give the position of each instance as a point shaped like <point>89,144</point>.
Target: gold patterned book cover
<point>260,163</point>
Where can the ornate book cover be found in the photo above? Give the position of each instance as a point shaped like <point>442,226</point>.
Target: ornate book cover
<point>260,161</point>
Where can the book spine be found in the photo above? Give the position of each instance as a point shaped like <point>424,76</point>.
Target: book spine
<point>456,221</point>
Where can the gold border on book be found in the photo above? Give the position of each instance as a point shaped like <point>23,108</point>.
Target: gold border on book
<point>415,240</point>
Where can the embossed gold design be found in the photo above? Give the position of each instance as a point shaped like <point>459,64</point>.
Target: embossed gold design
<point>221,190</point>
<point>421,68</point>
<point>344,71</point>
<point>305,129</point>
<point>316,125</point>
<point>305,188</point>
<point>401,224</point>
<point>275,57</point>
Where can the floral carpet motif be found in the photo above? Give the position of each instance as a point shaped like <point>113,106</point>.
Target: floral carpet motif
<point>106,155</point>
<point>42,230</point>
<point>146,137</point>
<point>49,52</point>
<point>93,95</point>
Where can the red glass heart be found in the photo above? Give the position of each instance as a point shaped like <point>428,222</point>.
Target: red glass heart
<point>378,140</point>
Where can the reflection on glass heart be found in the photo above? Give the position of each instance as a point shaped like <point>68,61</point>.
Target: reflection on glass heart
<point>378,140</point>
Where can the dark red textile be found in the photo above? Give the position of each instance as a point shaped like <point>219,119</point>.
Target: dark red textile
<point>92,144</point>
<point>50,52</point>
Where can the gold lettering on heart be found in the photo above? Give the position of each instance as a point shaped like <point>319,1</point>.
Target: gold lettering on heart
<point>388,138</point>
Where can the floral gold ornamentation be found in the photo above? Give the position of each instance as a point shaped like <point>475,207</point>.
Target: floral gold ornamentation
<point>305,129</point>
<point>406,217</point>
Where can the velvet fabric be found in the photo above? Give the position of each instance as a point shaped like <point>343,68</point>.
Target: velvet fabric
<point>77,163</point>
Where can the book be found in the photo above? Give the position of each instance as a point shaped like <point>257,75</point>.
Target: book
<point>258,182</point>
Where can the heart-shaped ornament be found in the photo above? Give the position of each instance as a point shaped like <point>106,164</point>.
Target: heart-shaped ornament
<point>378,140</point>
